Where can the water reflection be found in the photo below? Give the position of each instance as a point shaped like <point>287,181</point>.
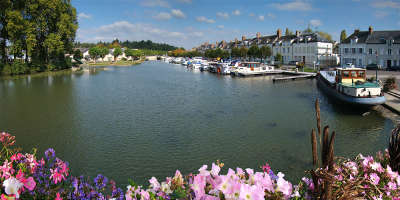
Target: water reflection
<point>151,119</point>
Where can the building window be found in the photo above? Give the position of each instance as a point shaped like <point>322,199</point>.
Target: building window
<point>370,51</point>
<point>389,51</point>
<point>360,62</point>
<point>353,50</point>
<point>346,50</point>
<point>395,63</point>
<point>360,50</point>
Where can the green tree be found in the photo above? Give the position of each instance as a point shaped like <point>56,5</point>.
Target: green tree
<point>279,58</point>
<point>117,52</point>
<point>243,52</point>
<point>265,52</point>
<point>288,32</point>
<point>103,51</point>
<point>78,54</point>
<point>94,52</point>
<point>325,35</point>
<point>254,51</point>
<point>343,35</point>
<point>235,52</point>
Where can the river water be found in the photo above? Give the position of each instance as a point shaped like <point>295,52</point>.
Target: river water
<point>151,119</point>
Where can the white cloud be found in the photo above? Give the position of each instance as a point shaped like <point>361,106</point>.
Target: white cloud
<point>197,34</point>
<point>84,16</point>
<point>380,14</point>
<point>178,13</point>
<point>204,19</point>
<point>315,22</point>
<point>385,4</point>
<point>236,12</point>
<point>224,15</point>
<point>155,3</point>
<point>261,17</point>
<point>124,30</point>
<point>297,5</point>
<point>271,15</point>
<point>163,16</point>
<point>185,1</point>
<point>220,26</point>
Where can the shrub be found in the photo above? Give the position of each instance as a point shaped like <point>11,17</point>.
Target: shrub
<point>51,67</point>
<point>124,59</point>
<point>390,84</point>
<point>16,68</point>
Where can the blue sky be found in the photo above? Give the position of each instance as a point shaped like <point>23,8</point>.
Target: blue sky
<point>188,23</point>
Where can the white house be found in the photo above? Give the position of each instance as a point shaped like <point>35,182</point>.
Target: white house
<point>371,47</point>
<point>309,48</point>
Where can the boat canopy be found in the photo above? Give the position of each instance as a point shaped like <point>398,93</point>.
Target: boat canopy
<point>250,64</point>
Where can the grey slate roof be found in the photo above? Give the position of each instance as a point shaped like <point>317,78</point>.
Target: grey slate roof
<point>377,37</point>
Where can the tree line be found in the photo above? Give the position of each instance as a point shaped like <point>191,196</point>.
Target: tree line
<point>130,44</point>
<point>35,35</point>
<point>254,52</point>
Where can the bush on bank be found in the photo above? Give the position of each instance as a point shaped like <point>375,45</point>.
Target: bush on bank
<point>25,176</point>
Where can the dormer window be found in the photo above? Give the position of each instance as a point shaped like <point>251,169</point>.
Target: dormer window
<point>390,42</point>
<point>354,40</point>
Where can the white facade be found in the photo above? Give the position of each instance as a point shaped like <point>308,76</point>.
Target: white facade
<point>371,47</point>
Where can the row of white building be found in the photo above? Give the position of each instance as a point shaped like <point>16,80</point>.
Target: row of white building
<point>372,47</point>
<point>361,48</point>
<point>309,48</point>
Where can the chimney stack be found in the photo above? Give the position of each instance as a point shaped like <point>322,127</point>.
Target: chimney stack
<point>370,30</point>
<point>279,33</point>
<point>356,31</point>
<point>297,33</point>
<point>243,38</point>
<point>258,35</point>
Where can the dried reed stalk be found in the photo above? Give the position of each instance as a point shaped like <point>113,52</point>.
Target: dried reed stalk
<point>314,148</point>
<point>318,115</point>
<point>394,149</point>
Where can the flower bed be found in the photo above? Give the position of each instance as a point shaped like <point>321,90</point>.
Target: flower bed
<point>24,176</point>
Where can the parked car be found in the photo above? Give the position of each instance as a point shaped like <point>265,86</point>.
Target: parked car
<point>373,67</point>
<point>393,68</point>
<point>349,65</point>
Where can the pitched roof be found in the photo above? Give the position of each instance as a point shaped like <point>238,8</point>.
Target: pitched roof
<point>376,37</point>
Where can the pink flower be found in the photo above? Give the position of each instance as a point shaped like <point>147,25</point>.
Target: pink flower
<point>266,168</point>
<point>392,175</point>
<point>284,186</point>
<point>56,176</point>
<point>58,196</point>
<point>215,169</point>
<point>29,183</point>
<point>154,184</point>
<point>7,169</point>
<point>198,186</point>
<point>392,186</point>
<point>16,157</point>
<point>203,171</point>
<point>253,192</point>
<point>377,167</point>
<point>374,178</point>
<point>145,195</point>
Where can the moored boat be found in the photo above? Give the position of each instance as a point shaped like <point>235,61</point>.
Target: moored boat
<point>350,85</point>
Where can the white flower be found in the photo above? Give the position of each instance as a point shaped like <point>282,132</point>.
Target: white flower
<point>12,185</point>
<point>166,188</point>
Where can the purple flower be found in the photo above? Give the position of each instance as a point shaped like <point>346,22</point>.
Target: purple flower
<point>100,182</point>
<point>50,154</point>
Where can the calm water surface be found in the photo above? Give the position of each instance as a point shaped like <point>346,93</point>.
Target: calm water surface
<point>151,119</point>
